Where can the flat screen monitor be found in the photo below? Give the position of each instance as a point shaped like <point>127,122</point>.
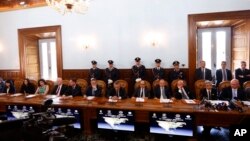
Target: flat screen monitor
<point>179,124</point>
<point>14,112</point>
<point>118,120</point>
<point>69,112</point>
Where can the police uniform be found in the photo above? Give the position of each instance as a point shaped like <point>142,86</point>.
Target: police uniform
<point>95,72</point>
<point>111,74</point>
<point>176,74</point>
<point>158,72</point>
<point>139,71</point>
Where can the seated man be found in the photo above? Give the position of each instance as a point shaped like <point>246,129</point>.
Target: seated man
<point>142,91</point>
<point>161,91</point>
<point>73,89</point>
<point>117,92</point>
<point>60,88</point>
<point>209,93</point>
<point>94,89</point>
<point>182,92</point>
<point>233,92</point>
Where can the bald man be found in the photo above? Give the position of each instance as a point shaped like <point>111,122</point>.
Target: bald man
<point>233,92</point>
<point>60,88</point>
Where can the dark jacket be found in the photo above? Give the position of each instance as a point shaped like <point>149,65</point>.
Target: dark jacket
<point>226,94</point>
<point>158,74</point>
<point>138,72</point>
<point>112,92</point>
<point>74,91</point>
<point>198,74</point>
<point>245,78</point>
<point>137,92</point>
<point>178,94</point>
<point>62,91</point>
<point>29,89</point>
<point>112,74</point>
<point>213,94</point>
<point>219,76</point>
<point>173,75</point>
<point>12,89</point>
<point>95,73</point>
<point>157,92</point>
<point>97,92</point>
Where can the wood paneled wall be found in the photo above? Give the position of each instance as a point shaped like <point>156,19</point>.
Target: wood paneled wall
<point>10,74</point>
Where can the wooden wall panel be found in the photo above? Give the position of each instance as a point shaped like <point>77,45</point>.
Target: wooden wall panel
<point>10,74</point>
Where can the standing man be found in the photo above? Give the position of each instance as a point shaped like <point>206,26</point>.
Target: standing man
<point>158,71</point>
<point>176,73</point>
<point>111,73</point>
<point>95,72</point>
<point>223,74</point>
<point>138,70</point>
<point>242,74</point>
<point>202,72</point>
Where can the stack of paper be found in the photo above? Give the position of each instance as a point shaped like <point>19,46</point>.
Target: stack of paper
<point>247,103</point>
<point>190,101</point>
<point>166,100</point>
<point>139,99</point>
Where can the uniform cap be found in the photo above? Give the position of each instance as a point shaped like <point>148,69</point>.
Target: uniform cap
<point>110,61</point>
<point>93,62</point>
<point>176,63</point>
<point>157,60</point>
<point>137,59</point>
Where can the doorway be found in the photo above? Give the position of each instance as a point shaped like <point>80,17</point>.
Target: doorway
<point>31,55</point>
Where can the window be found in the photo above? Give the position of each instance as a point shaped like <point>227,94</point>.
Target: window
<point>48,63</point>
<point>214,46</point>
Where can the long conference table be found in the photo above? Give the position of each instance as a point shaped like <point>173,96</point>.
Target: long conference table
<point>89,108</point>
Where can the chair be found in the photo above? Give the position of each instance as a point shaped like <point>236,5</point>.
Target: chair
<point>156,82</point>
<point>102,84</point>
<point>84,84</point>
<point>199,85</point>
<point>124,84</point>
<point>246,84</point>
<point>174,84</point>
<point>148,85</point>
<point>223,85</point>
<point>65,82</point>
<point>18,84</point>
<point>34,82</point>
<point>51,85</point>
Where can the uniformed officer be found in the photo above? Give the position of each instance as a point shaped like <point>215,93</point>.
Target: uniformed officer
<point>158,71</point>
<point>95,72</point>
<point>111,73</point>
<point>138,70</point>
<point>176,73</point>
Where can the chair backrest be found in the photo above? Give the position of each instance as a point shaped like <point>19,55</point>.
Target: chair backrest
<point>148,85</point>
<point>198,85</point>
<point>102,84</point>
<point>51,84</point>
<point>84,84</point>
<point>65,82</point>
<point>34,82</point>
<point>124,84</point>
<point>18,84</point>
<point>246,84</point>
<point>156,82</point>
<point>174,84</point>
<point>223,85</point>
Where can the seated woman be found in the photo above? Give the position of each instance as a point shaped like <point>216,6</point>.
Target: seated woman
<point>9,87</point>
<point>43,88</point>
<point>27,87</point>
<point>117,92</point>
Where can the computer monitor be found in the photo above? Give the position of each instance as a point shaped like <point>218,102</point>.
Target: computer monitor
<point>118,120</point>
<point>14,112</point>
<point>69,112</point>
<point>179,124</point>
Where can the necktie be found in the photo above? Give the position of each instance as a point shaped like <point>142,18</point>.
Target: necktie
<point>117,93</point>
<point>162,93</point>
<point>184,94</point>
<point>58,90</point>
<point>142,92</point>
<point>234,93</point>
<point>203,73</point>
<point>224,75</point>
<point>208,95</point>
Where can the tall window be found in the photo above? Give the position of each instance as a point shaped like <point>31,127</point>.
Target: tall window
<point>214,46</point>
<point>48,63</point>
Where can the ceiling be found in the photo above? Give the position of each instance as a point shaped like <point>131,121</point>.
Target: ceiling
<point>7,5</point>
<point>219,23</point>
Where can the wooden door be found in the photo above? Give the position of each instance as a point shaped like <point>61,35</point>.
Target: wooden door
<point>240,46</point>
<point>32,63</point>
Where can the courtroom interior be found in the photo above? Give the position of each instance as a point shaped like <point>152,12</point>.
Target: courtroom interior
<point>124,70</point>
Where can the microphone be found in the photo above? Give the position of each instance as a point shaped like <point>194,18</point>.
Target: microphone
<point>234,105</point>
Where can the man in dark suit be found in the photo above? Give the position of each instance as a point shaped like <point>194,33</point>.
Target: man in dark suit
<point>161,91</point>
<point>182,92</point>
<point>73,89</point>
<point>117,92</point>
<point>158,71</point>
<point>111,73</point>
<point>176,73</point>
<point>209,93</point>
<point>233,92</point>
<point>138,70</point>
<point>142,91</point>
<point>95,72</point>
<point>223,74</point>
<point>60,88</point>
<point>202,72</point>
<point>242,74</point>
<point>94,89</point>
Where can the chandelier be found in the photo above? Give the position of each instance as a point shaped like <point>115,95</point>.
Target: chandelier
<point>69,6</point>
